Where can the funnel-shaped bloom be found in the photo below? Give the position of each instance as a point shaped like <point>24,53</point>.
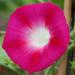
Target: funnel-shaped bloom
<point>37,36</point>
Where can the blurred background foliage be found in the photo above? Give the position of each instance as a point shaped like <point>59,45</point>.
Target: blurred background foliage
<point>7,6</point>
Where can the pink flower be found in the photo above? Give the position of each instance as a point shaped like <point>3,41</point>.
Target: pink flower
<point>37,36</point>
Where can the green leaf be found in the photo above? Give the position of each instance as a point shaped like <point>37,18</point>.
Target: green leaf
<point>29,1</point>
<point>10,4</point>
<point>72,64</point>
<point>73,36</point>
<point>59,3</point>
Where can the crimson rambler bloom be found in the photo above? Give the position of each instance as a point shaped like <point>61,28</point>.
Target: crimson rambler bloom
<point>37,36</point>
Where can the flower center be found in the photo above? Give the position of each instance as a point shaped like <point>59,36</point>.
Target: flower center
<point>40,37</point>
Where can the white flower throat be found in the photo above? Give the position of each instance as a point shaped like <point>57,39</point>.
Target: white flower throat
<point>40,37</point>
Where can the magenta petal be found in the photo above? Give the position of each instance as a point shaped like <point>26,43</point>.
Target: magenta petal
<point>20,44</point>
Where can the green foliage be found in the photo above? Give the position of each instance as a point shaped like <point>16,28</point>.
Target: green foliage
<point>73,34</point>
<point>59,3</point>
<point>72,64</point>
<point>7,6</point>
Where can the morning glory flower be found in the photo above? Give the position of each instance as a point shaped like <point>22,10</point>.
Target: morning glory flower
<point>37,36</point>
